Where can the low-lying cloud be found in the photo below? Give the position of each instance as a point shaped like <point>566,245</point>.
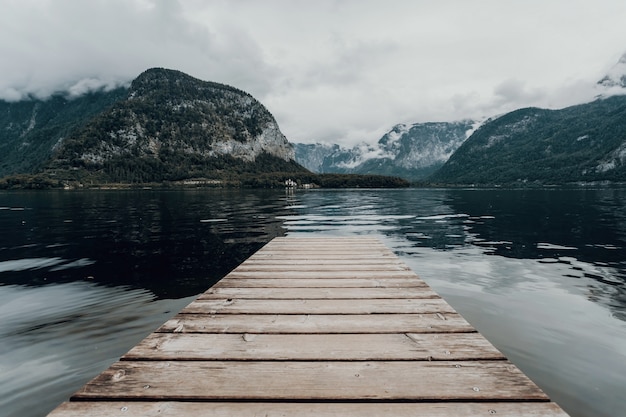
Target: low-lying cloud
<point>334,71</point>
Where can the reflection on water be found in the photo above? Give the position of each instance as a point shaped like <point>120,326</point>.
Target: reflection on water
<point>541,273</point>
<point>57,337</point>
<point>85,275</point>
<point>175,243</point>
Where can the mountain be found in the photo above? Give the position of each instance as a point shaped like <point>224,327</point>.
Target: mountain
<point>408,151</point>
<point>312,155</point>
<point>171,127</point>
<point>581,143</point>
<point>166,126</point>
<point>30,129</point>
<point>616,77</point>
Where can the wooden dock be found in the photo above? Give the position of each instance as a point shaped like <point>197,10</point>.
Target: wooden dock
<point>314,327</point>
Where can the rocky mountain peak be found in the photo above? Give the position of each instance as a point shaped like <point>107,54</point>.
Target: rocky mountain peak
<point>411,151</point>
<point>166,126</point>
<point>170,111</point>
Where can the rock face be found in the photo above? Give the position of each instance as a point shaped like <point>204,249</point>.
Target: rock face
<point>166,126</point>
<point>312,155</point>
<point>409,151</point>
<point>173,126</point>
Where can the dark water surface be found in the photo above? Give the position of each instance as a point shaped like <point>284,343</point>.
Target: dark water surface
<point>85,275</point>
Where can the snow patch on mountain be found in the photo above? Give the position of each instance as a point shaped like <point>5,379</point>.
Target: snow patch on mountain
<point>412,151</point>
<point>614,82</point>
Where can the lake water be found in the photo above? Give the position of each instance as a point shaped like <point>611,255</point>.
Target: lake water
<point>85,275</point>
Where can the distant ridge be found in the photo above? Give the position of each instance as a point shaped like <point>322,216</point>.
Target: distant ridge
<point>583,143</point>
<point>409,151</point>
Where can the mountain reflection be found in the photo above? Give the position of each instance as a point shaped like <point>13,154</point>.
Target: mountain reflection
<point>175,243</point>
<point>583,230</point>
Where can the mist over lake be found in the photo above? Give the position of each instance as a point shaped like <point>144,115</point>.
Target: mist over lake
<point>85,275</point>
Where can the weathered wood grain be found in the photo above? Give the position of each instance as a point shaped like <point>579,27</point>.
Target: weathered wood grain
<point>315,326</point>
<point>318,306</point>
<point>317,293</point>
<point>328,256</point>
<point>322,283</point>
<point>304,251</point>
<point>350,347</point>
<point>306,409</point>
<point>317,323</point>
<point>320,267</point>
<point>303,380</point>
<point>345,273</point>
<point>285,260</point>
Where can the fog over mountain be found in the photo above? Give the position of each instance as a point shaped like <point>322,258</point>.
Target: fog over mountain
<point>417,151</point>
<point>329,71</point>
<point>409,151</point>
<point>577,144</point>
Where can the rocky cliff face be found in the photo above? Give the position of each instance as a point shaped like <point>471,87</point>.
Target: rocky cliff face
<point>312,155</point>
<point>169,115</point>
<point>166,126</point>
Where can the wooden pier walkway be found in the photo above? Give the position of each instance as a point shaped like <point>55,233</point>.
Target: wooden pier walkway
<point>314,327</point>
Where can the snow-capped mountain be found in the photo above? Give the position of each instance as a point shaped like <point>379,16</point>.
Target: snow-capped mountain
<point>616,77</point>
<point>409,151</point>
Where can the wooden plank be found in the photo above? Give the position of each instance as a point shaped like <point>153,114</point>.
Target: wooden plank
<point>306,409</point>
<point>298,267</point>
<point>318,293</point>
<point>326,323</point>
<point>330,250</point>
<point>302,380</point>
<point>338,320</point>
<point>315,261</point>
<point>325,242</point>
<point>323,238</point>
<point>322,283</point>
<point>236,274</point>
<point>353,347</point>
<point>319,306</point>
<point>271,255</point>
<point>297,244</point>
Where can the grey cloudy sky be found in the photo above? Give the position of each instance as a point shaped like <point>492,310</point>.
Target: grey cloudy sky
<point>338,71</point>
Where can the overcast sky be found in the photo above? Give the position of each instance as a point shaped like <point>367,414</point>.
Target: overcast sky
<point>338,71</point>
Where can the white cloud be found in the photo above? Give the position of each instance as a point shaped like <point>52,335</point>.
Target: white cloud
<point>340,71</point>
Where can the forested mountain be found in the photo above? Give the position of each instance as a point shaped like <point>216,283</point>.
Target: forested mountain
<point>30,129</point>
<point>166,126</point>
<point>171,127</point>
<point>584,143</point>
<point>409,151</point>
